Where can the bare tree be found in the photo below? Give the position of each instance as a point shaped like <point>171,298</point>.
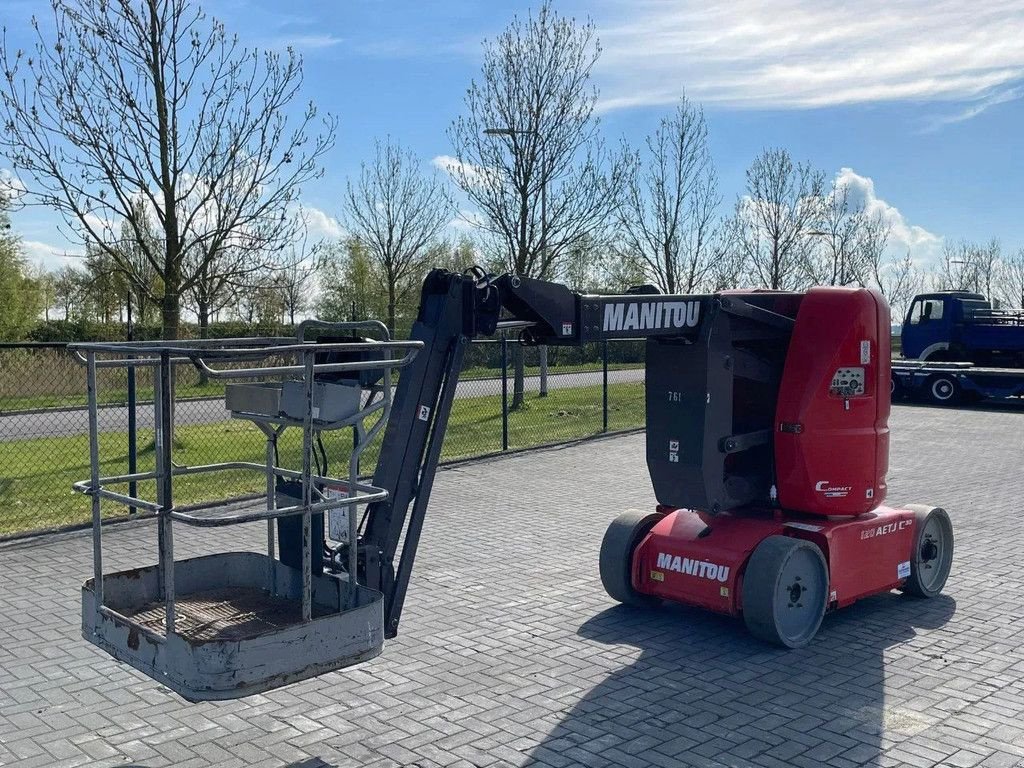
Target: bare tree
<point>1011,279</point>
<point>138,236</point>
<point>397,212</point>
<point>529,140</point>
<point>967,266</point>
<point>294,277</point>
<point>668,219</point>
<point>846,239</point>
<point>899,280</point>
<point>528,155</point>
<point>150,100</point>
<point>771,222</point>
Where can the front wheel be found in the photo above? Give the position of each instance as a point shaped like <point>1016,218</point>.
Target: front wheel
<point>616,561</point>
<point>932,553</point>
<point>785,591</point>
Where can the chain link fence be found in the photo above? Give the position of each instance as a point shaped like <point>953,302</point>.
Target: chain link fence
<point>44,428</point>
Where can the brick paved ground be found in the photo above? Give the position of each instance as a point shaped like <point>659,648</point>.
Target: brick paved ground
<point>511,654</point>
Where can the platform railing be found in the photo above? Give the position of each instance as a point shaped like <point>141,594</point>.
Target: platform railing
<point>209,356</point>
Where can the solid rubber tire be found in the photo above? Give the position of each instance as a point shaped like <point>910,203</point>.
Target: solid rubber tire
<point>915,583</point>
<point>616,559</point>
<point>761,587</point>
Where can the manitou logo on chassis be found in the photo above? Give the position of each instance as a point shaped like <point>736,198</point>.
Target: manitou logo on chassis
<point>651,315</point>
<point>690,567</point>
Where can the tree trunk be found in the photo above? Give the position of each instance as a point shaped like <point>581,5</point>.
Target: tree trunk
<point>170,307</point>
<point>391,307</point>
<point>518,400</point>
<point>203,311</point>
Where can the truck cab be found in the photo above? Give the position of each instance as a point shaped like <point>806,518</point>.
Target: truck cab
<point>962,326</point>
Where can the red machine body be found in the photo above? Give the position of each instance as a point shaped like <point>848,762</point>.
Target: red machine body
<point>832,413</point>
<point>830,444</point>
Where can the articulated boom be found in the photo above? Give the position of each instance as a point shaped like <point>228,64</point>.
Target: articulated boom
<point>767,447</point>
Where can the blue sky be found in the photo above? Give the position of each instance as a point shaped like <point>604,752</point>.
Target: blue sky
<point>919,101</point>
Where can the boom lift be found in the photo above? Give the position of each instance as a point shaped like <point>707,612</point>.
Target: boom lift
<point>767,446</point>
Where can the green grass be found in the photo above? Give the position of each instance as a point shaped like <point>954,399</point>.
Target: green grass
<point>483,372</point>
<point>35,485</point>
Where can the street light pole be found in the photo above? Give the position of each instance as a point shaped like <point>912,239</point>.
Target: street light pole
<point>542,350</point>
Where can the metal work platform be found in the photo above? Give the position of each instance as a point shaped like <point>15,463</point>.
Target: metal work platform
<point>228,625</point>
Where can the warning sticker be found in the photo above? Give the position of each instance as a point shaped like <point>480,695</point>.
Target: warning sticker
<point>424,414</point>
<point>865,352</point>
<point>903,570</point>
<point>673,445</point>
<point>657,576</point>
<point>567,329</point>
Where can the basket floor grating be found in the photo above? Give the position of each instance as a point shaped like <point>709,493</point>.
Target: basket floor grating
<point>227,613</point>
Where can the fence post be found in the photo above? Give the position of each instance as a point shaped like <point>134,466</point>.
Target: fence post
<point>604,383</point>
<point>504,393</point>
<point>542,351</point>
<point>133,433</point>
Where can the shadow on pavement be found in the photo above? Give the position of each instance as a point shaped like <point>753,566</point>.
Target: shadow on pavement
<point>704,692</point>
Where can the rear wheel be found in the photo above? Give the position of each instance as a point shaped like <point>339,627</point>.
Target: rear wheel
<point>616,560</point>
<point>932,555</point>
<point>942,389</point>
<point>785,590</point>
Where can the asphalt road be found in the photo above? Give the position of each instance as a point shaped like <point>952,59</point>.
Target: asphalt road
<point>63,423</point>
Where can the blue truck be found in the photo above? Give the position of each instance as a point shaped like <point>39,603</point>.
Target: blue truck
<point>958,348</point>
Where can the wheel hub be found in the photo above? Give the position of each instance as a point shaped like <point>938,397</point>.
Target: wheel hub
<point>795,591</point>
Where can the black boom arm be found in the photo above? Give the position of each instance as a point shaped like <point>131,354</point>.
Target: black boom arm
<point>454,309</point>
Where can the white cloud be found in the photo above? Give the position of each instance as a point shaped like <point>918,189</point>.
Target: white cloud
<point>311,41</point>
<point>811,53</point>
<point>49,256</point>
<point>924,246</point>
<point>11,187</point>
<point>474,174</point>
<point>321,225</point>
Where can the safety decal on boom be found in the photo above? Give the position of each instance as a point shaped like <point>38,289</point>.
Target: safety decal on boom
<point>424,414</point>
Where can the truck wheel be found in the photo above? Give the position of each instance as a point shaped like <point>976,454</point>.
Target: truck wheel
<point>895,389</point>
<point>942,389</point>
<point>616,560</point>
<point>785,590</point>
<point>932,555</point>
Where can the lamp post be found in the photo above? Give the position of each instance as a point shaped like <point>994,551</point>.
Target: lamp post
<point>542,350</point>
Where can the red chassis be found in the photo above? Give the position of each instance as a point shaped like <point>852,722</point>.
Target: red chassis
<point>693,558</point>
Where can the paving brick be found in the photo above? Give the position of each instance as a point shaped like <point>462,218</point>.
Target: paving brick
<point>510,653</point>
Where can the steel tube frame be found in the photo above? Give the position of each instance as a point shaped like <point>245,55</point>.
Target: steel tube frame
<point>94,463</point>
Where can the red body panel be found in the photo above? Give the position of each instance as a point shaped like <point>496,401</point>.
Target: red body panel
<point>699,560</point>
<point>676,562</point>
<point>832,416</point>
